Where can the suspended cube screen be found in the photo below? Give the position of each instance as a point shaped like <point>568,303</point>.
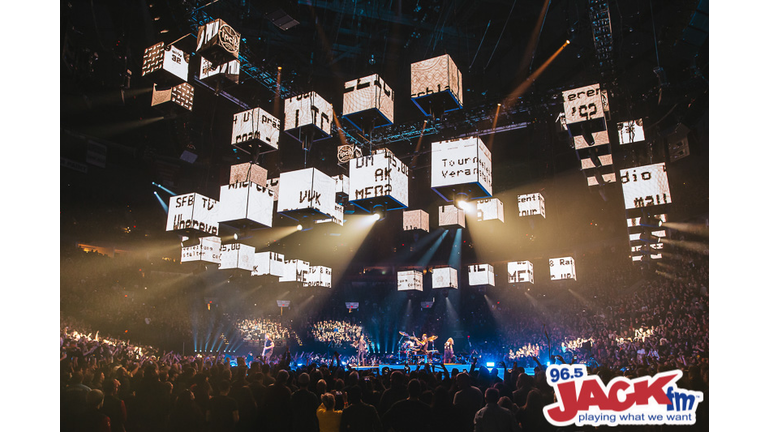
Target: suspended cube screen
<point>193,211</point>
<point>562,268</point>
<point>520,271</point>
<point>255,125</point>
<point>645,186</point>
<point>378,179</point>
<point>481,274</point>
<point>208,249</point>
<point>445,277</point>
<point>410,280</point>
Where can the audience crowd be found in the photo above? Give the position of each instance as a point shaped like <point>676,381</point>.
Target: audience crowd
<point>336,333</point>
<point>254,330</point>
<point>620,324</point>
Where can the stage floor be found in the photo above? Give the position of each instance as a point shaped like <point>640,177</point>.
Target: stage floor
<point>437,368</point>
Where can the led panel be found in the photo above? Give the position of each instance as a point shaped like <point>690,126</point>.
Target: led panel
<point>342,186</point>
<point>165,60</point>
<point>237,256</point>
<point>562,268</point>
<point>490,209</point>
<point>211,72</point>
<point>445,277</point>
<point>176,97</point>
<point>436,80</point>
<point>531,204</point>
<point>645,186</point>
<point>246,201</point>
<point>582,104</point>
<point>268,263</point>
<point>451,215</point>
<point>218,41</point>
<point>631,131</point>
<point>415,220</point>
<point>208,250</point>
<point>255,125</point>
<point>600,138</point>
<point>607,178</point>
<point>294,270</point>
<point>410,280</point>
<point>520,272</point>
<point>248,172</point>
<point>605,160</point>
<point>378,179</point>
<point>481,274</point>
<point>308,109</point>
<point>307,190</point>
<point>461,165</point>
<point>273,184</point>
<point>369,99</point>
<point>318,276</point>
<point>194,212</point>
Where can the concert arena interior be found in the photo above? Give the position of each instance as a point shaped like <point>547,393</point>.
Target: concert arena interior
<point>264,200</point>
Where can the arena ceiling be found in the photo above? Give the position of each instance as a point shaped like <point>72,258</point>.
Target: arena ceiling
<point>114,145</point>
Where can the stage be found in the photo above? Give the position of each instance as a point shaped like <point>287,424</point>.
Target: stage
<point>461,367</point>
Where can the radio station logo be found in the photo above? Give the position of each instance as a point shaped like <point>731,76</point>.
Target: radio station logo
<point>583,399</point>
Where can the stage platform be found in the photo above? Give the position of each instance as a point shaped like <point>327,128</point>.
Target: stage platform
<point>450,366</point>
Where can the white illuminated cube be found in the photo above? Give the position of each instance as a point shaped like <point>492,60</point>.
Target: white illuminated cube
<point>583,104</point>
<point>410,280</point>
<point>248,172</point>
<point>193,212</point>
<point>436,82</point>
<point>631,131</point>
<point>212,73</point>
<point>268,263</point>
<point>237,256</point>
<point>607,178</point>
<point>273,184</point>
<point>337,217</point>
<point>258,127</point>
<point>415,220</point>
<point>599,138</point>
<point>207,249</point>
<point>490,209</point>
<point>245,202</point>
<point>217,41</point>
<point>378,179</point>
<point>481,274</point>
<point>368,101</point>
<point>451,215</point>
<point>342,188</point>
<point>462,166</point>
<point>520,271</point>
<point>445,277</point>
<point>531,204</point>
<point>655,220</point>
<point>294,270</point>
<point>165,64</point>
<point>308,110</point>
<point>306,192</point>
<point>605,160</point>
<point>562,268</point>
<point>645,186</point>
<point>178,98</point>
<point>318,276</point>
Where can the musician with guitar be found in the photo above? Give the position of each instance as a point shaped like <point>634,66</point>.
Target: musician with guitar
<point>362,350</point>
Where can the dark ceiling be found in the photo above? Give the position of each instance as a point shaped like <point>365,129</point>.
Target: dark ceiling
<point>114,144</point>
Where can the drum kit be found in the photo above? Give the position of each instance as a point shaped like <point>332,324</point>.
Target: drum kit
<point>413,349</point>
